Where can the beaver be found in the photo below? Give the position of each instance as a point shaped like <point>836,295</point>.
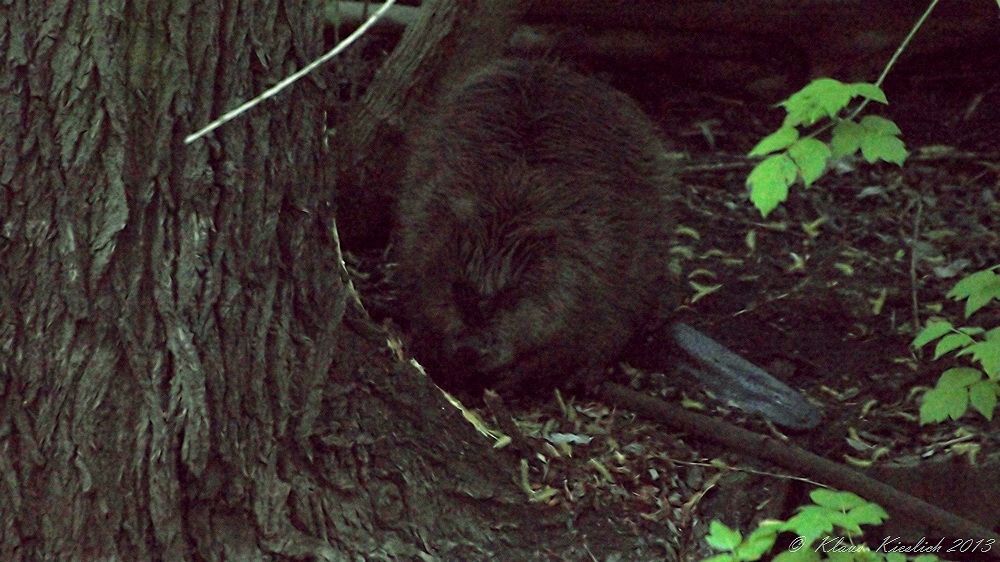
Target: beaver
<point>532,238</point>
<point>530,242</point>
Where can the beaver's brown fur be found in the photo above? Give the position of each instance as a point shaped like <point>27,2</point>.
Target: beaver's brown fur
<point>530,239</point>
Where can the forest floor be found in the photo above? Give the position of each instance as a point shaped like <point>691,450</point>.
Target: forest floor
<point>826,293</point>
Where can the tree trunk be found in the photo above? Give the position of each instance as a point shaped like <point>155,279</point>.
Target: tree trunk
<point>176,379</point>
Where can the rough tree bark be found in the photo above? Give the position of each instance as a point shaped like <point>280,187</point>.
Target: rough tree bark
<point>181,370</point>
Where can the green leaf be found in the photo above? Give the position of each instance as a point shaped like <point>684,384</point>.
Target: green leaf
<point>811,156</point>
<point>721,537</point>
<point>846,138</point>
<point>879,125</point>
<point>846,524</point>
<point>869,91</point>
<point>980,288</point>
<point>974,283</point>
<point>883,147</point>
<point>800,555</point>
<point>951,396</point>
<point>836,499</point>
<point>983,397</point>
<point>959,377</point>
<point>932,331</point>
<point>987,352</point>
<point>778,140</point>
<point>951,342</point>
<point>970,330</point>
<point>939,404</point>
<point>869,514</point>
<point>823,97</point>
<point>811,522</point>
<point>757,543</point>
<point>769,182</point>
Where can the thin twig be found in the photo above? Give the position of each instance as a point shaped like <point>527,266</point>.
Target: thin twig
<point>896,55</point>
<point>287,81</point>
